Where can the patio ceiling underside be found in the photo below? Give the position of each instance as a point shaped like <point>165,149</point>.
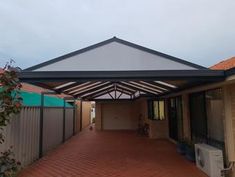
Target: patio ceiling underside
<point>116,90</point>
<point>94,85</point>
<point>94,89</point>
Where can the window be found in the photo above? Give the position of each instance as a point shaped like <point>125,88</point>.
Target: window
<point>198,116</point>
<point>156,110</point>
<point>207,114</point>
<point>175,118</point>
<point>215,115</point>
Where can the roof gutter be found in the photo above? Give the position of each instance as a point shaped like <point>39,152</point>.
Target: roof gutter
<point>160,75</point>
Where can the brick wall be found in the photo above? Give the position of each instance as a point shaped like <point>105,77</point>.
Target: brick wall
<point>229,122</point>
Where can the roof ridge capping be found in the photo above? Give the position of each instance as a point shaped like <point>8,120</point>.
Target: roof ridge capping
<point>121,41</point>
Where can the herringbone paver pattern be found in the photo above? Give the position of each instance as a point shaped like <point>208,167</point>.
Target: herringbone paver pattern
<point>113,154</point>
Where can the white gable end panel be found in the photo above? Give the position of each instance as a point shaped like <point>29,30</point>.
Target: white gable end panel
<point>115,57</point>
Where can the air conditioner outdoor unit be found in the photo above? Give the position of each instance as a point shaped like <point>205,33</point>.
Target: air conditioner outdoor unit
<point>209,159</point>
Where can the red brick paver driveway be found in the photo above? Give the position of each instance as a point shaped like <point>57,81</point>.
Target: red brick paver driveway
<point>113,154</point>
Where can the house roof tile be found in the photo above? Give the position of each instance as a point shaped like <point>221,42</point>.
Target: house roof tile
<point>225,64</point>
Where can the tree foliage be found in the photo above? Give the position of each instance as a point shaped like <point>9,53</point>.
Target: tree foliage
<point>10,104</point>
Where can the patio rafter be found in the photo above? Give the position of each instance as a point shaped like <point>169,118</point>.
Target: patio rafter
<point>145,86</point>
<point>72,86</point>
<point>86,87</point>
<point>98,94</point>
<point>139,88</point>
<point>95,90</point>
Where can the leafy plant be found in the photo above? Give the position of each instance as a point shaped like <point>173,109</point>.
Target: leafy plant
<point>10,104</point>
<point>8,165</point>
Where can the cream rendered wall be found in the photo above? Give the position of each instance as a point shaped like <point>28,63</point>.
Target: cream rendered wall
<point>78,116</point>
<point>98,123</point>
<point>230,122</point>
<point>117,116</point>
<point>132,111</point>
<point>157,129</point>
<point>110,113</point>
<point>228,88</point>
<point>229,102</point>
<point>140,107</point>
<point>84,109</point>
<point>86,114</point>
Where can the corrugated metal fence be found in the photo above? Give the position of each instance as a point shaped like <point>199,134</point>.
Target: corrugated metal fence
<point>23,132</point>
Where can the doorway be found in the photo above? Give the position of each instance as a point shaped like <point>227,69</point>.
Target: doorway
<point>175,118</point>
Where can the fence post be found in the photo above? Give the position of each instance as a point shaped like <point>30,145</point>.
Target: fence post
<point>41,126</point>
<point>64,122</point>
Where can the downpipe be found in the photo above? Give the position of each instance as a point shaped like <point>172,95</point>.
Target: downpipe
<point>228,169</point>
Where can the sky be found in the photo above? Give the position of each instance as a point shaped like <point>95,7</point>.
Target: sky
<point>201,31</point>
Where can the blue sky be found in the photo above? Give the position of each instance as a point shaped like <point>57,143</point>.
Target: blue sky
<point>201,31</point>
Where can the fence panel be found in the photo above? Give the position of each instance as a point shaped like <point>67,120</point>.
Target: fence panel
<point>68,123</point>
<point>23,135</point>
<point>52,128</point>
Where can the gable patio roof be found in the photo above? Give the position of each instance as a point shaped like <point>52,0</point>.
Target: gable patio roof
<point>132,82</point>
